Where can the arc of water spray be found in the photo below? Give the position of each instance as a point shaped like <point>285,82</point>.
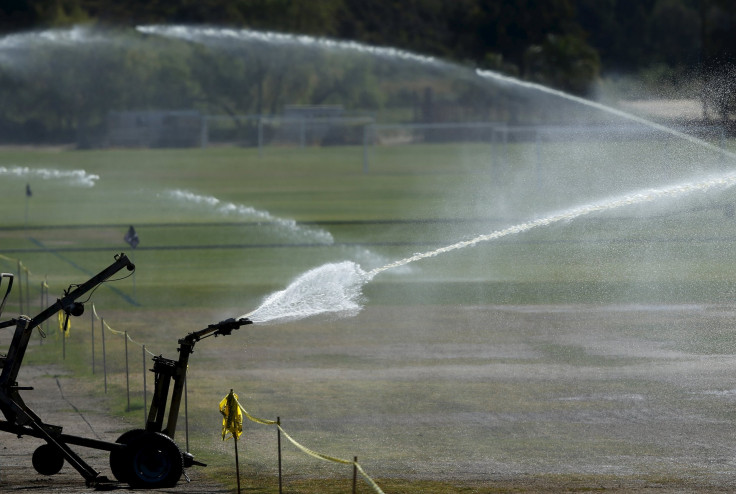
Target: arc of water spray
<point>288,225</point>
<point>649,195</point>
<point>295,294</point>
<point>488,74</point>
<point>190,33</point>
<point>75,177</point>
<point>201,33</point>
<point>336,288</point>
<point>76,34</point>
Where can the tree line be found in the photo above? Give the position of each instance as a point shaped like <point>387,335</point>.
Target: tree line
<point>61,91</point>
<point>565,43</point>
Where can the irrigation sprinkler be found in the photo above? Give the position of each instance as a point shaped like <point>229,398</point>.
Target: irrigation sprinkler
<point>143,458</point>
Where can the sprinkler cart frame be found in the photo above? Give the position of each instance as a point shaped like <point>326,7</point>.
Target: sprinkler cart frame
<point>143,458</point>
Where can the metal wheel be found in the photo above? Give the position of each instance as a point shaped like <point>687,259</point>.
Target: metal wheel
<point>47,460</point>
<point>119,462</point>
<point>154,461</point>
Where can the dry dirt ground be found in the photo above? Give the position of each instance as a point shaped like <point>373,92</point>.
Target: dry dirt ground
<point>527,398</point>
<point>625,399</point>
<point>59,401</point>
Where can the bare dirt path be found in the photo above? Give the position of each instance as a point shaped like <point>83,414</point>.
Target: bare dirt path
<point>59,400</point>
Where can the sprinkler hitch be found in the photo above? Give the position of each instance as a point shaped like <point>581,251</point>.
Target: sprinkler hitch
<point>144,458</point>
<point>20,420</point>
<point>161,422</point>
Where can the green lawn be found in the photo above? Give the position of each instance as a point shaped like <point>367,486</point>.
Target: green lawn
<point>193,250</point>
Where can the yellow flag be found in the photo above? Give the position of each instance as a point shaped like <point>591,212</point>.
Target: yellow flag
<point>232,418</point>
<point>62,318</point>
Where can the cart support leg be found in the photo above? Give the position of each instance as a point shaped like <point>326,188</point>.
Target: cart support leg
<point>90,474</point>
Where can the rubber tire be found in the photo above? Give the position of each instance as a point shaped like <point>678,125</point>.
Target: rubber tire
<point>47,460</point>
<point>119,461</point>
<point>155,461</point>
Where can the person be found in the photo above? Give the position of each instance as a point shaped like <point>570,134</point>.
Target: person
<point>132,237</point>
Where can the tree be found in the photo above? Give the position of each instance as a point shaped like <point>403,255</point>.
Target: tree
<point>675,33</point>
<point>17,15</point>
<point>564,62</point>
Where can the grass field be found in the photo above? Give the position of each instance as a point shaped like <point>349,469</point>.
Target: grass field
<point>414,199</point>
<point>595,347</point>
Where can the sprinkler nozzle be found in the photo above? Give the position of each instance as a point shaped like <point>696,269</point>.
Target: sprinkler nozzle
<point>225,327</point>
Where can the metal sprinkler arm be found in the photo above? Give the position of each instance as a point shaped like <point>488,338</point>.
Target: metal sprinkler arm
<point>224,328</point>
<point>167,370</point>
<point>68,302</point>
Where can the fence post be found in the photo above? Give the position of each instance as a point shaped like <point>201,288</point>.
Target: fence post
<point>237,460</point>
<point>46,300</point>
<point>28,292</point>
<point>278,441</point>
<point>92,324</point>
<point>133,261</point>
<point>64,323</point>
<point>104,355</point>
<point>43,283</point>
<point>145,392</point>
<point>127,371</point>
<point>20,289</point>
<point>355,474</point>
<point>186,412</point>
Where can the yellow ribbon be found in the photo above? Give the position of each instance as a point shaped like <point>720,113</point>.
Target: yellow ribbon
<point>310,452</point>
<point>62,320</point>
<point>94,311</point>
<point>232,419</point>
